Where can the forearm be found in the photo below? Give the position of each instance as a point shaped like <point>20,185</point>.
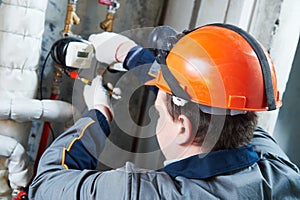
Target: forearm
<point>60,168</point>
<point>138,56</point>
<point>139,61</point>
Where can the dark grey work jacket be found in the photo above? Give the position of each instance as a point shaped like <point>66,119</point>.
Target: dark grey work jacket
<point>66,171</point>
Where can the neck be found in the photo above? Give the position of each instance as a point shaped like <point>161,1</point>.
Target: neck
<point>183,152</point>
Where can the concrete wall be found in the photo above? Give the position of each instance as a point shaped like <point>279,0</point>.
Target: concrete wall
<point>282,49</point>
<point>287,129</point>
<point>281,43</point>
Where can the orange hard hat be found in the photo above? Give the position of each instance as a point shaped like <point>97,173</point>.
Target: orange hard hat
<point>219,66</point>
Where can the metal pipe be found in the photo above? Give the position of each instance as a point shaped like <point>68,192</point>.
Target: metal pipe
<point>71,18</point>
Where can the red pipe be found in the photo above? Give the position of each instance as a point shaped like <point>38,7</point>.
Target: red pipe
<point>47,125</point>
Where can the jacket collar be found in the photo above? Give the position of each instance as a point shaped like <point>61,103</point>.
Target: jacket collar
<point>214,163</point>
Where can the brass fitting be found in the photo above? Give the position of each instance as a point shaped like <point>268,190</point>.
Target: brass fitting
<point>107,24</point>
<point>56,80</point>
<point>71,18</point>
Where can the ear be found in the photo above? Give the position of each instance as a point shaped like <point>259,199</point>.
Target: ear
<point>185,131</point>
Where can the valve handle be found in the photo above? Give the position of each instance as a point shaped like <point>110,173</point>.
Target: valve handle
<point>106,2</point>
<point>22,195</point>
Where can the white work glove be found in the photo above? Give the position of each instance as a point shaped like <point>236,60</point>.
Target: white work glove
<point>111,47</point>
<point>96,96</point>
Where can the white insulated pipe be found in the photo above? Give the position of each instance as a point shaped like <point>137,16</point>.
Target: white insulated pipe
<point>21,31</point>
<point>25,110</point>
<point>19,170</point>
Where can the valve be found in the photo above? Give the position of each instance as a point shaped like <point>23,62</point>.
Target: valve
<point>71,18</point>
<point>113,6</point>
<point>21,195</point>
<point>106,2</point>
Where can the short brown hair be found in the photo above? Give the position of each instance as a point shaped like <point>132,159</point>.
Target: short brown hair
<point>221,131</point>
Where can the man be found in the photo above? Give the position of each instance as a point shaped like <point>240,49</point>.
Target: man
<point>210,84</point>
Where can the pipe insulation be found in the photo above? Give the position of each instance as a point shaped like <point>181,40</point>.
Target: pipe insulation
<point>17,163</point>
<point>25,110</point>
<point>21,32</point>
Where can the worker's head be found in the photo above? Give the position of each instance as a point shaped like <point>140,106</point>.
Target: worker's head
<point>215,72</point>
<point>184,130</point>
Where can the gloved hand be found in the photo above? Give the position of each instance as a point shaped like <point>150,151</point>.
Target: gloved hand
<point>111,47</point>
<point>97,97</point>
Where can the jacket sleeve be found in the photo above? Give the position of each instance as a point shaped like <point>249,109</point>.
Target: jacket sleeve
<point>71,159</point>
<point>66,169</point>
<point>139,61</point>
<point>138,56</point>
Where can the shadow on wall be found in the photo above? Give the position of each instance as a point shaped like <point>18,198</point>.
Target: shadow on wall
<point>287,129</point>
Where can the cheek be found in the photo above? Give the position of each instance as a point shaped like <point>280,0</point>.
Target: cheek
<point>165,132</point>
<point>160,132</point>
<point>160,125</point>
